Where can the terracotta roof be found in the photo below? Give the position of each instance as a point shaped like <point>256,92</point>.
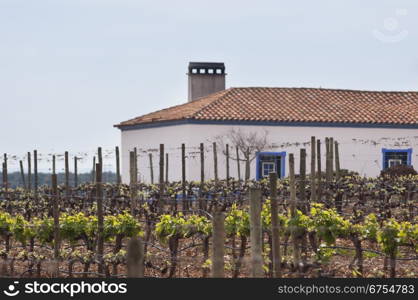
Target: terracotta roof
<point>294,105</point>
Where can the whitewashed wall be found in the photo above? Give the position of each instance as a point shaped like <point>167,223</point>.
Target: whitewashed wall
<point>360,148</point>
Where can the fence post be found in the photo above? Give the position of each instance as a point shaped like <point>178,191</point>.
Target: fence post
<point>75,171</point>
<point>29,172</point>
<point>327,167</point>
<point>331,158</point>
<point>135,165</point>
<point>275,226</point>
<point>302,181</point>
<point>247,165</point>
<point>166,167</point>
<point>227,163</point>
<point>56,214</point>
<point>132,181</point>
<point>238,165</point>
<point>118,179</point>
<point>22,174</point>
<point>54,165</point>
<point>151,167</point>
<point>218,244</point>
<point>256,233</point>
<point>67,175</point>
<point>337,160</point>
<point>100,219</point>
<point>313,173</point>
<point>319,171</point>
<point>202,163</point>
<point>100,157</point>
<point>161,196</point>
<point>135,258</point>
<point>183,176</point>
<point>215,162</point>
<point>292,183</point>
<point>35,172</point>
<point>5,175</point>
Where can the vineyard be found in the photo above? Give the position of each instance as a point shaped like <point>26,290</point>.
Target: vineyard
<point>331,224</point>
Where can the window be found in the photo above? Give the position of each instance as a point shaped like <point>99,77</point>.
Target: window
<point>270,162</point>
<point>396,157</point>
<point>267,168</point>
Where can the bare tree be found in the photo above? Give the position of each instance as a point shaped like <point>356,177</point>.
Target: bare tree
<point>248,143</point>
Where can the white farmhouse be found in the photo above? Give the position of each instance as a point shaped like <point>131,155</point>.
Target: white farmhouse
<point>374,129</point>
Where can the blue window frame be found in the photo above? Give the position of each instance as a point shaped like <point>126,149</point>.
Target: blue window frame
<point>267,162</point>
<point>393,157</point>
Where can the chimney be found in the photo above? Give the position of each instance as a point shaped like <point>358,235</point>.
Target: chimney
<point>205,78</point>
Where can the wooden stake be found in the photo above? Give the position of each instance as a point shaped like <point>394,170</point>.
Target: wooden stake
<point>313,165</point>
<point>135,258</point>
<point>256,233</point>
<point>75,171</point>
<point>151,168</point>
<point>161,202</point>
<point>56,215</point>
<point>67,175</point>
<point>275,226</point>
<point>202,163</point>
<point>35,171</point>
<point>215,162</point>
<point>337,161</point>
<point>166,168</point>
<point>53,164</point>
<point>29,172</point>
<point>100,219</point>
<point>319,171</point>
<point>118,178</point>
<point>93,172</point>
<point>302,179</point>
<point>331,158</point>
<point>218,264</point>
<point>238,165</point>
<point>292,183</point>
<point>183,174</point>
<point>227,163</point>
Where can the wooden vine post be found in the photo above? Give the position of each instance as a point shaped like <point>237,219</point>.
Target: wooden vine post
<point>302,181</point>
<point>275,226</point>
<point>67,175</point>
<point>100,220</point>
<point>238,165</point>
<point>56,215</point>
<point>218,243</point>
<point>337,161</point>
<point>132,181</point>
<point>292,184</point>
<point>75,171</point>
<point>135,258</point>
<point>313,167</point>
<point>35,172</point>
<point>54,165</point>
<point>151,168</point>
<point>202,175</point>
<point>29,172</point>
<point>161,181</point>
<point>319,171</point>
<point>331,158</point>
<point>118,178</point>
<point>183,176</point>
<point>227,164</point>
<point>166,168</point>
<point>256,233</point>
<point>215,162</point>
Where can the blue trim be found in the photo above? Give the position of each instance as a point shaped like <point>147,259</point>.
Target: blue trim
<point>408,151</point>
<point>263,123</point>
<point>282,163</point>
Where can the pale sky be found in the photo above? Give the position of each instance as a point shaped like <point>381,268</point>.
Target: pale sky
<point>70,69</point>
